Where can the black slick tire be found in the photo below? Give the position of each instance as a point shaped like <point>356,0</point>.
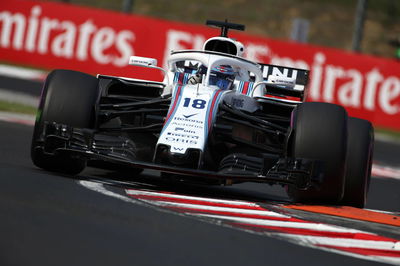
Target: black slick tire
<point>68,97</point>
<point>320,133</point>
<point>359,162</point>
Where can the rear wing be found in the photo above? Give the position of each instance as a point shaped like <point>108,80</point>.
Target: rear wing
<point>285,81</point>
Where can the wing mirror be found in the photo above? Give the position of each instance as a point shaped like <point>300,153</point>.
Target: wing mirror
<point>142,61</point>
<point>147,62</point>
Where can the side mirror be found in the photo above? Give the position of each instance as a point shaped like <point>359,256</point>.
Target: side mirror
<point>148,62</point>
<point>142,61</point>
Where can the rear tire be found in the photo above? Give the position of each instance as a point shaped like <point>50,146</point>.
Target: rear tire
<point>320,133</point>
<point>359,161</point>
<point>68,97</point>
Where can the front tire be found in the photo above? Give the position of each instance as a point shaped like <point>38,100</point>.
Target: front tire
<point>68,97</point>
<point>320,133</point>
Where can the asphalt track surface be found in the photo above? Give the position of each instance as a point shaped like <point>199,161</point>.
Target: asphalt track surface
<point>52,219</point>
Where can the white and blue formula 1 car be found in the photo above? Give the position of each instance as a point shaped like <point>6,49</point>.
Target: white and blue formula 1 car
<point>216,118</point>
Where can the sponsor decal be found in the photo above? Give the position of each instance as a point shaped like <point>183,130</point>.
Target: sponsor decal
<point>174,134</point>
<point>177,129</point>
<point>186,125</point>
<point>180,140</point>
<point>188,116</point>
<point>188,120</point>
<point>279,72</point>
<point>36,32</point>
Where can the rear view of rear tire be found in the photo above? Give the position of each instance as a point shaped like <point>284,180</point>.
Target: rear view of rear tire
<point>359,161</point>
<point>320,133</point>
<point>68,97</point>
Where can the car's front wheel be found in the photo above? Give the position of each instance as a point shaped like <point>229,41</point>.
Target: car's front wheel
<point>320,133</point>
<point>68,97</point>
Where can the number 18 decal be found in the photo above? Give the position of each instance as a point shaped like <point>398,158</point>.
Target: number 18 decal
<point>197,103</point>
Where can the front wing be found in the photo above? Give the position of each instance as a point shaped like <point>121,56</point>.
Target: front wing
<point>58,139</point>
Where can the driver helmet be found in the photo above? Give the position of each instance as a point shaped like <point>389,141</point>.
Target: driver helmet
<point>222,77</point>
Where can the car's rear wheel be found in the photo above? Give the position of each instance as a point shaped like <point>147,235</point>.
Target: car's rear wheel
<point>359,162</point>
<point>320,133</point>
<point>68,97</point>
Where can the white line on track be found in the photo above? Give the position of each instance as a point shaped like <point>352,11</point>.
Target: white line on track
<point>98,187</point>
<point>22,73</point>
<point>346,242</point>
<point>386,171</point>
<point>389,260</point>
<point>19,97</point>
<point>17,118</point>
<point>385,212</point>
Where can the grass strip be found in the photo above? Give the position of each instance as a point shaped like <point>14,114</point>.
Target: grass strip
<point>11,107</point>
<point>388,132</point>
